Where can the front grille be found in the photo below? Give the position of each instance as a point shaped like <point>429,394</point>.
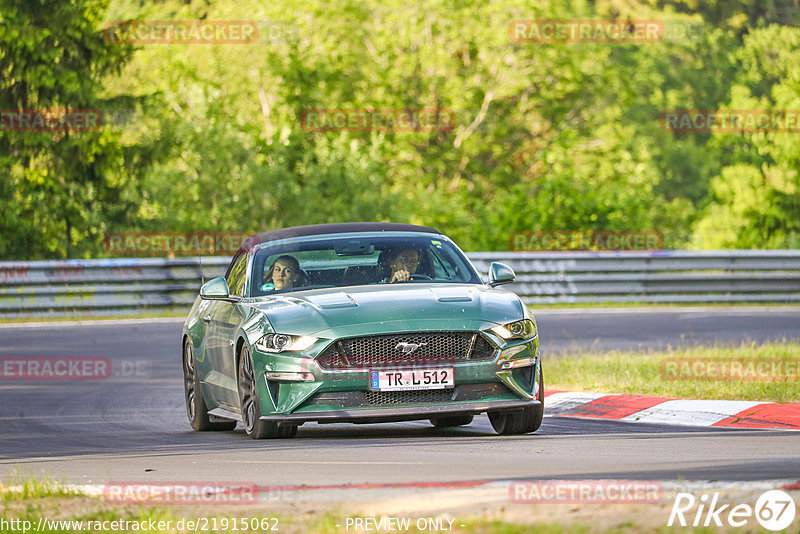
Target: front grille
<point>382,398</point>
<point>375,352</point>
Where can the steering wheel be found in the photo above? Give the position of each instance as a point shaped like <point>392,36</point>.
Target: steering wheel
<point>419,276</point>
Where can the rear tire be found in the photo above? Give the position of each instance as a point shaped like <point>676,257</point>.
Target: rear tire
<point>454,420</point>
<point>520,422</point>
<point>196,408</point>
<point>251,408</point>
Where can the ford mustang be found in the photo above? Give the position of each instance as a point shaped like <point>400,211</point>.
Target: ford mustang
<point>360,323</point>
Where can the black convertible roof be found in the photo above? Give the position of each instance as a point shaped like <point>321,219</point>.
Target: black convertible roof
<point>336,228</point>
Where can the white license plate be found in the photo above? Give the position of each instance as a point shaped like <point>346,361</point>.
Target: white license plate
<point>412,379</point>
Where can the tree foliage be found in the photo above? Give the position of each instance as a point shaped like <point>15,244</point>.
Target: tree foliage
<point>60,189</point>
<point>547,135</point>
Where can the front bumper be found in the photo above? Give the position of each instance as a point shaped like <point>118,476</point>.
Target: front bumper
<point>508,381</point>
<point>400,413</point>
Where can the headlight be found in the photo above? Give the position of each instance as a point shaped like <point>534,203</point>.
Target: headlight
<point>523,329</point>
<point>284,343</point>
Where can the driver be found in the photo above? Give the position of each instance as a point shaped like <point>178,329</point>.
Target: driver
<point>403,264</point>
<point>284,273</point>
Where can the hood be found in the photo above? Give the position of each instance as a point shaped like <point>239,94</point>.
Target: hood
<point>360,310</point>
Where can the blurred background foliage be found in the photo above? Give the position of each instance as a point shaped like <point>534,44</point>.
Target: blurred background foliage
<point>562,136</point>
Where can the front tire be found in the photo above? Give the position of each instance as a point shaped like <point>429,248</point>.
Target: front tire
<point>196,408</point>
<point>250,406</point>
<point>520,422</point>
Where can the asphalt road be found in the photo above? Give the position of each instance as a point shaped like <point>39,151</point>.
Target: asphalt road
<point>654,328</point>
<point>133,427</point>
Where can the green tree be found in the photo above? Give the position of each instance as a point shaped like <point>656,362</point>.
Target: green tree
<point>59,188</point>
<point>756,196</point>
<point>546,136</point>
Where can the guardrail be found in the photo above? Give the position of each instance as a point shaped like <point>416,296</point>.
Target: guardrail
<point>658,276</point>
<point>103,287</point>
<point>156,285</point>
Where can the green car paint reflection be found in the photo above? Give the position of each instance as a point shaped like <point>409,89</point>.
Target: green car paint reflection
<point>354,339</point>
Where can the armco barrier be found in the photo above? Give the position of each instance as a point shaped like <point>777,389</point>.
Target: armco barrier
<point>155,285</point>
<point>103,287</point>
<point>658,276</point>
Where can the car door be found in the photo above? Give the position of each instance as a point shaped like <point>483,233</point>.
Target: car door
<point>223,318</point>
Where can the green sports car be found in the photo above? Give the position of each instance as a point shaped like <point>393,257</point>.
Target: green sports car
<point>360,323</point>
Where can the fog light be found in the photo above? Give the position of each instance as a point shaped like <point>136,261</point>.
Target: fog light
<point>284,376</point>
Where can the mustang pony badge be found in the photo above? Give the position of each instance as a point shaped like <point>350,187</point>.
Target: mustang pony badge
<point>410,348</point>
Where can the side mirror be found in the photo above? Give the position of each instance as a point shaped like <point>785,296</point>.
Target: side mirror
<point>216,288</point>
<point>500,273</point>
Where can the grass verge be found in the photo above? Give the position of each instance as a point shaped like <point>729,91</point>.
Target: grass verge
<point>755,372</point>
<point>43,512</point>
<point>20,488</point>
<point>44,507</point>
<point>82,514</point>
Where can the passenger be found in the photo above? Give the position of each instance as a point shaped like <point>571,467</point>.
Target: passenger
<point>401,265</point>
<point>284,273</point>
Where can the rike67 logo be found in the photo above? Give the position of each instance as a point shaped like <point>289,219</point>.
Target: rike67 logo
<point>774,510</point>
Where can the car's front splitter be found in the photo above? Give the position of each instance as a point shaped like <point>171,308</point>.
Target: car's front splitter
<point>400,413</point>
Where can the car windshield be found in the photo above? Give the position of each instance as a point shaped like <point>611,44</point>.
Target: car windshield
<point>350,261</point>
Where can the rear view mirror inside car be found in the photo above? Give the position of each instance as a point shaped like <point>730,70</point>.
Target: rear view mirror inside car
<point>355,248</point>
